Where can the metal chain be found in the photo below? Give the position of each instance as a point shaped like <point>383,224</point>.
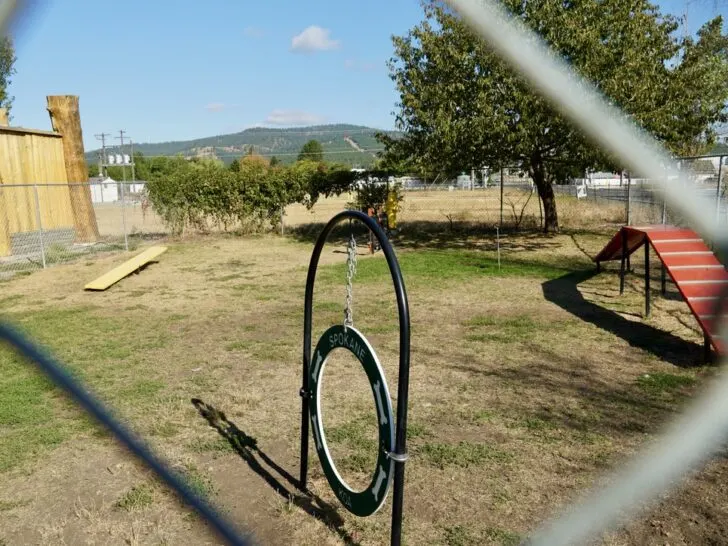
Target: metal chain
<point>350,272</point>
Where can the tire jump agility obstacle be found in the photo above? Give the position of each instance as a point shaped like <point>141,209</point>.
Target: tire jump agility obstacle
<point>392,442</point>
<point>697,273</point>
<point>392,452</point>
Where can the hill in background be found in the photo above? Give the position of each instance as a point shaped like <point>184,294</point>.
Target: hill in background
<point>353,145</point>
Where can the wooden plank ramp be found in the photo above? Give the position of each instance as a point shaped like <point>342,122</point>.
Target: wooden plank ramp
<point>127,268</point>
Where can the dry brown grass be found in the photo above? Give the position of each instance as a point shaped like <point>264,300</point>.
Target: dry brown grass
<point>481,206</point>
<point>525,388</point>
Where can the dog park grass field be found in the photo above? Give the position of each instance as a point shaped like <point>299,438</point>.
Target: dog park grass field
<point>528,384</point>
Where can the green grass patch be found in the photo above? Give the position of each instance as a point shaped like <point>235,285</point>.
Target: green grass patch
<point>23,445</point>
<point>328,306</point>
<point>245,287</point>
<point>417,430</point>
<point>463,454</point>
<point>664,382</point>
<point>481,416</point>
<point>10,300</point>
<point>199,482</point>
<point>537,424</point>
<point>238,346</point>
<point>164,430</point>
<point>214,445</point>
<point>22,393</point>
<point>452,265</point>
<point>355,434</point>
<point>503,536</point>
<point>26,413</point>
<point>140,390</point>
<point>500,329</point>
<point>463,535</point>
<point>6,506</point>
<point>137,498</point>
<point>460,535</point>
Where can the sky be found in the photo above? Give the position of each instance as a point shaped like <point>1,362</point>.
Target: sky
<point>176,69</point>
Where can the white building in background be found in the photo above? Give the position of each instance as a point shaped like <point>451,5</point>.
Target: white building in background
<point>104,190</point>
<point>138,186</point>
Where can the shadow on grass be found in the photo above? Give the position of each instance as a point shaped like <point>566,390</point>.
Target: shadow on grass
<point>564,292</point>
<point>604,408</point>
<point>247,447</point>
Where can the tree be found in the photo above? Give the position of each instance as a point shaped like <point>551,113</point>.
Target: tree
<point>274,161</point>
<point>7,70</point>
<point>235,166</point>
<point>462,107</point>
<point>312,151</point>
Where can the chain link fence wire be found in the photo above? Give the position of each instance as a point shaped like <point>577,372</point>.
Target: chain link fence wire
<point>597,199</point>
<point>37,226</point>
<point>690,441</point>
<point>701,430</point>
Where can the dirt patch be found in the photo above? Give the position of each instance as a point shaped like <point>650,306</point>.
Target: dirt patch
<point>527,385</point>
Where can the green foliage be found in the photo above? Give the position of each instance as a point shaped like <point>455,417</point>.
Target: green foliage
<point>274,161</point>
<point>203,193</point>
<point>196,195</point>
<point>461,106</point>
<point>374,194</point>
<point>7,70</point>
<point>311,151</point>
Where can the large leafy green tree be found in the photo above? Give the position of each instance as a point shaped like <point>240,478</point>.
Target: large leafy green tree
<point>461,106</point>
<point>312,151</point>
<point>7,70</point>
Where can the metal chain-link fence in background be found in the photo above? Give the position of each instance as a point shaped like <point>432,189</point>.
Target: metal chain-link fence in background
<point>37,220</point>
<point>38,226</point>
<point>595,200</point>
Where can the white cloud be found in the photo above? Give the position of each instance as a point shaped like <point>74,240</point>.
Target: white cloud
<point>293,117</point>
<point>314,38</point>
<point>215,107</point>
<point>253,32</point>
<point>349,63</point>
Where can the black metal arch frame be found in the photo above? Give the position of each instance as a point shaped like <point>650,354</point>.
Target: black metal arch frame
<point>400,443</point>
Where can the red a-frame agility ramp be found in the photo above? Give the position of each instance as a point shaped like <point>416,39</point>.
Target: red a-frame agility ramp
<point>695,270</point>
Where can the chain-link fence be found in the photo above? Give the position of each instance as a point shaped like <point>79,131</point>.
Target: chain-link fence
<point>46,224</point>
<point>643,204</point>
<point>596,199</point>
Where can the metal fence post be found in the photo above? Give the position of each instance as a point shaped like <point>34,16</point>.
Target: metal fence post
<point>40,225</point>
<point>717,195</point>
<point>123,217</point>
<point>664,202</point>
<point>629,195</point>
<point>501,197</point>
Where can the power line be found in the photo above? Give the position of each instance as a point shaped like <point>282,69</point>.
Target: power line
<point>283,154</point>
<point>102,156</point>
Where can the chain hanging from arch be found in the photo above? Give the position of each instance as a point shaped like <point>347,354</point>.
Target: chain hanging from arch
<point>350,272</point>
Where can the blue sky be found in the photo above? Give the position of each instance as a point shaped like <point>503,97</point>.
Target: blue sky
<point>178,69</point>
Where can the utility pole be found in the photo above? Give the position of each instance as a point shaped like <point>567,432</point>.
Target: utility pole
<point>102,163</point>
<point>133,174</point>
<point>121,147</point>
